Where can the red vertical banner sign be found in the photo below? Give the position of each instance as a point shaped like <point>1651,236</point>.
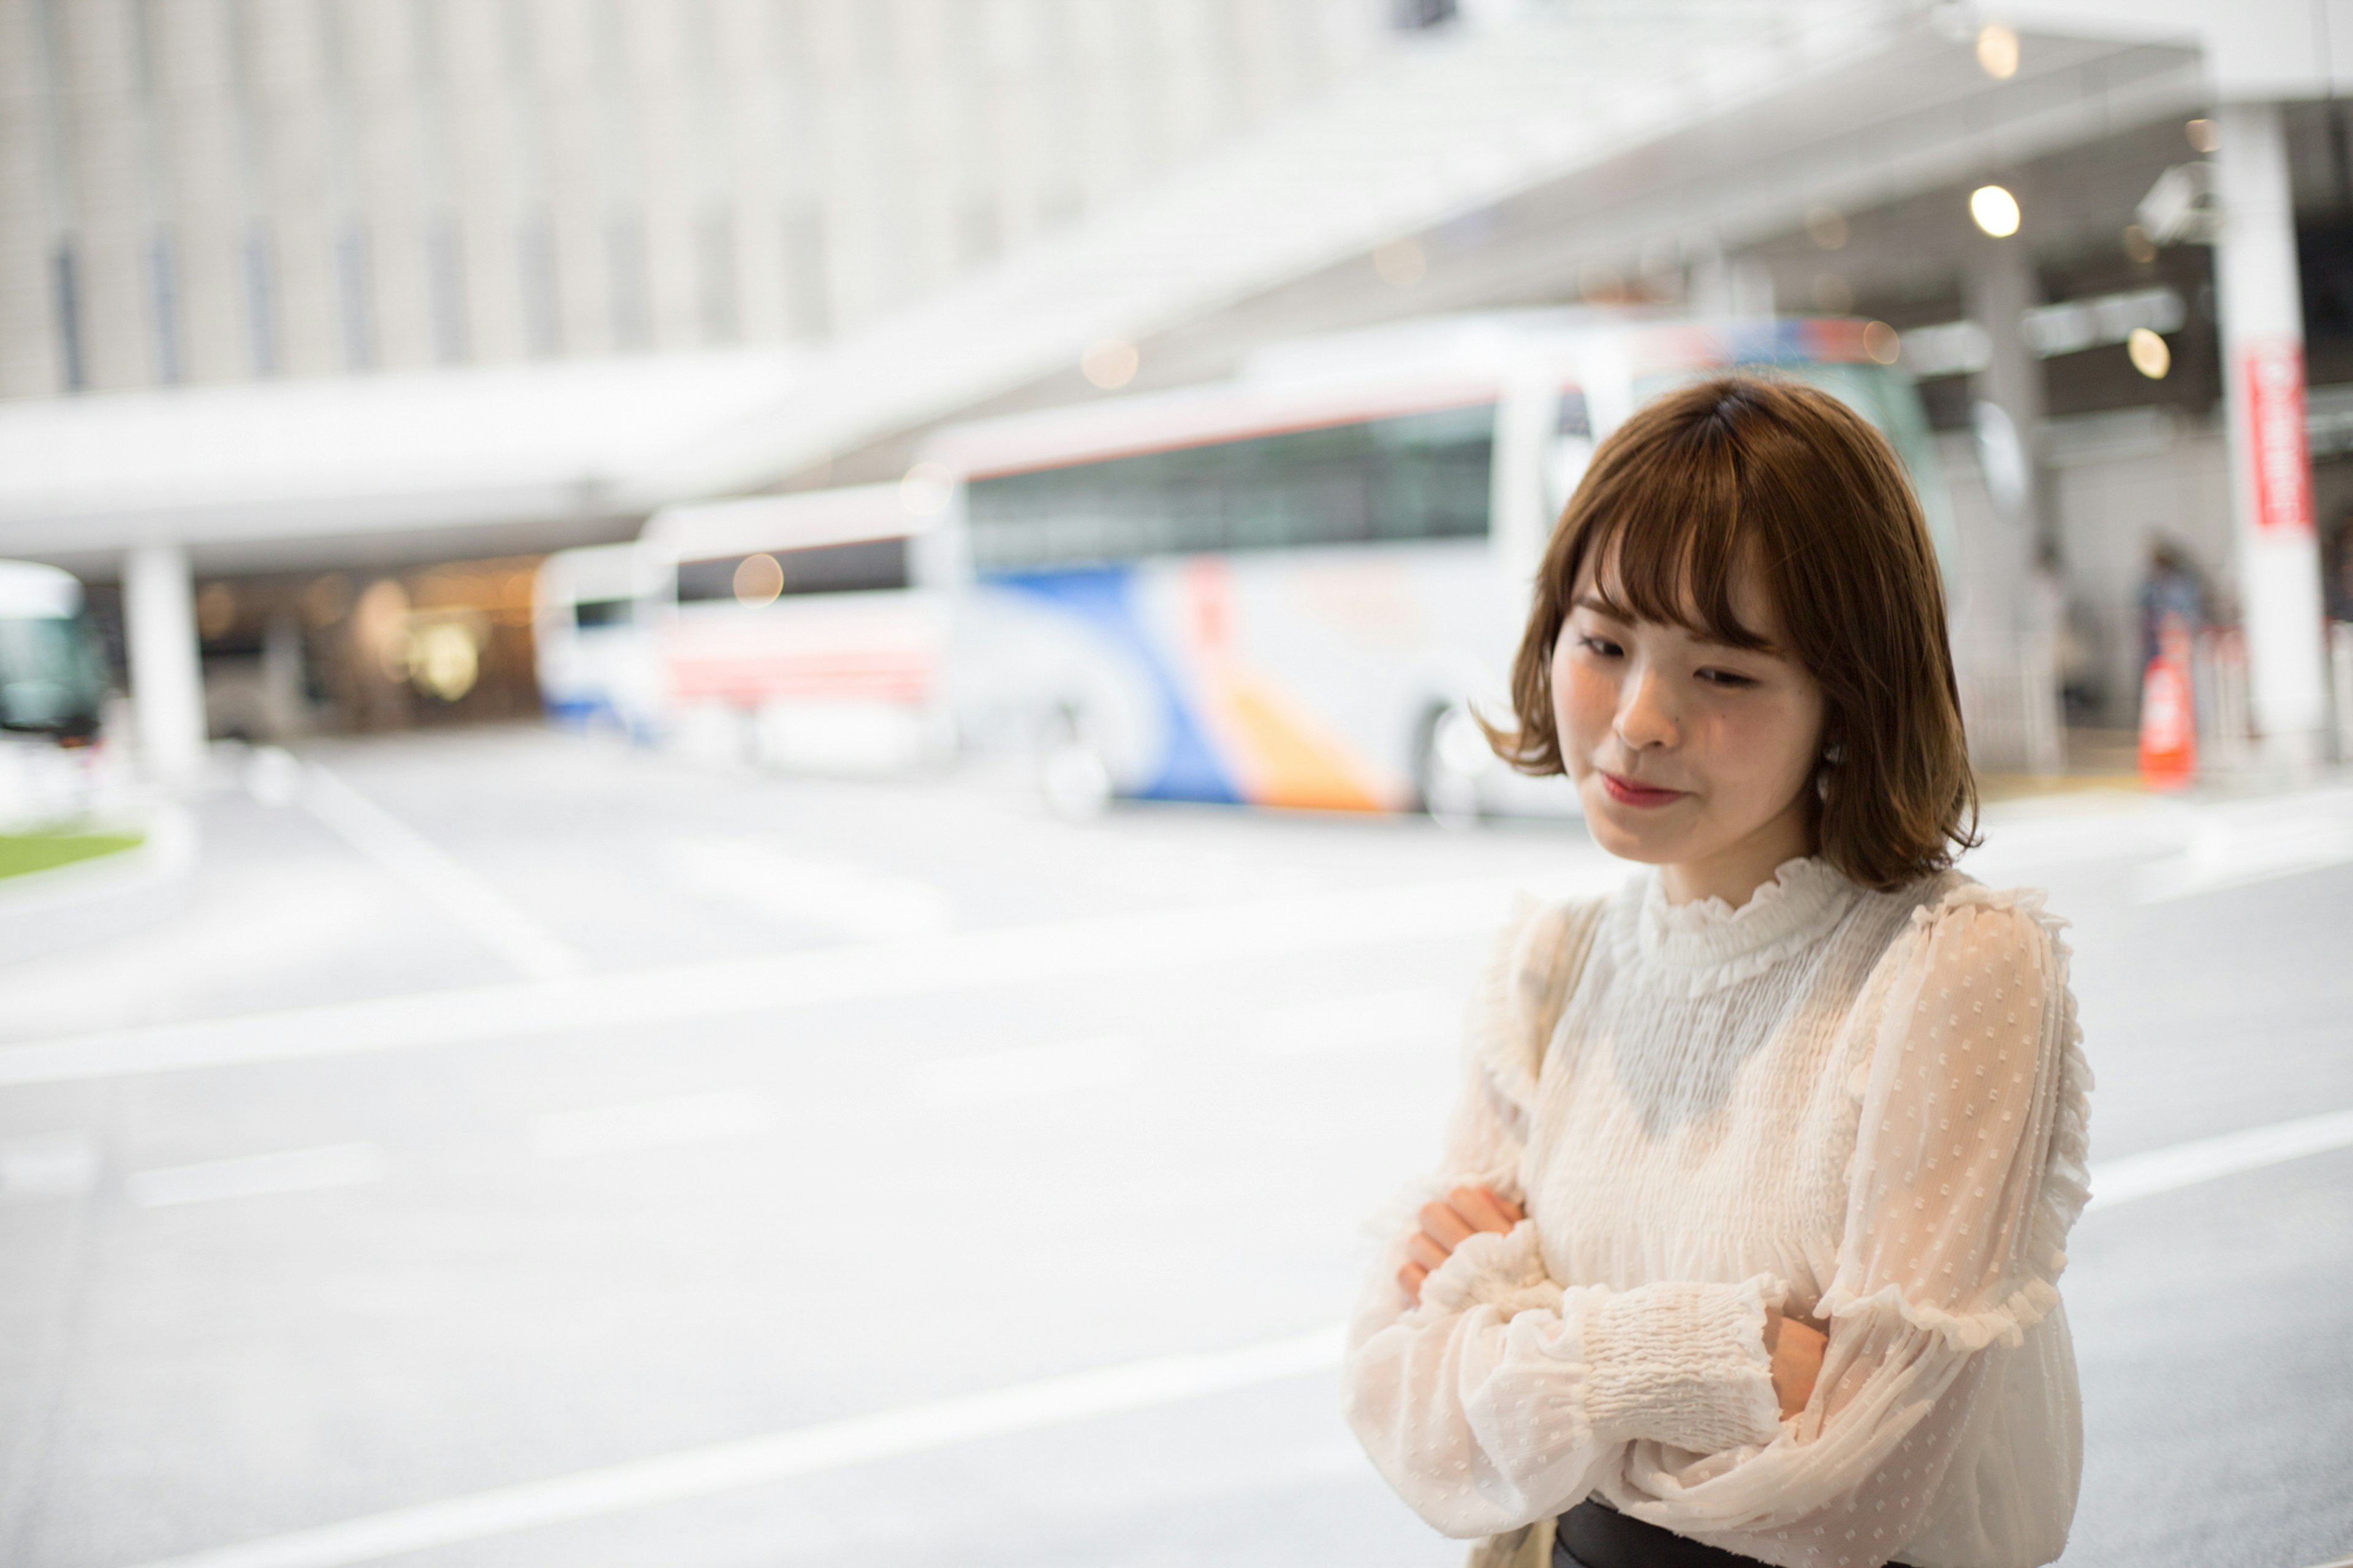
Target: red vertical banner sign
<point>2282,471</point>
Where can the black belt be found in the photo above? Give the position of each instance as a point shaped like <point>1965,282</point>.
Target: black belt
<point>1595,1535</point>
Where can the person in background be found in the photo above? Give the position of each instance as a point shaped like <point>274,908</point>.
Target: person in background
<point>1744,1242</point>
<point>2338,581</point>
<point>2172,590</point>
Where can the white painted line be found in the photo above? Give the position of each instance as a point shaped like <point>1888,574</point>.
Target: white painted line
<point>858,901</point>
<point>2120,1180</point>
<point>829,1445</point>
<point>256,1175</point>
<point>1040,1075</point>
<point>2242,844</point>
<point>1335,1026</point>
<point>1276,928</point>
<point>47,1166</point>
<point>650,1124</point>
<point>398,848</point>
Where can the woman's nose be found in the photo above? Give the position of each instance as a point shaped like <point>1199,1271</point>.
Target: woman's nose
<point>1645,719</point>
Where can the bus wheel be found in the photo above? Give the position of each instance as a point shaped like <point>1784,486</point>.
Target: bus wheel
<point>1448,761</point>
<point>1071,773</point>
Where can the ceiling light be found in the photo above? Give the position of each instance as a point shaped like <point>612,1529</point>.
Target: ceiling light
<point>1998,50</point>
<point>1994,210</point>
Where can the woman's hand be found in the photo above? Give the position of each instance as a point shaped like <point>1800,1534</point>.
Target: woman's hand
<point>1461,1213</point>
<point>1796,1348</point>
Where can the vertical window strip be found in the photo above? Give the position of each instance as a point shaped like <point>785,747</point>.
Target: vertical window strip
<point>722,318</point>
<point>352,295</point>
<point>257,261</point>
<point>260,269</point>
<point>164,306</point>
<point>625,242</point>
<point>65,274</point>
<point>445,272</point>
<point>535,258</point>
<point>58,145</point>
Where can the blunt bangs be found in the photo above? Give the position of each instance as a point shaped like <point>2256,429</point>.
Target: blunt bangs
<point>1667,547</point>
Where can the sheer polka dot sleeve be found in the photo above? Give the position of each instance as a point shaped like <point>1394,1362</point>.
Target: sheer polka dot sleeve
<point>1967,1174</point>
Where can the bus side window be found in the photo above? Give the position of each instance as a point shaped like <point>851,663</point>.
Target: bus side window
<point>1414,476</point>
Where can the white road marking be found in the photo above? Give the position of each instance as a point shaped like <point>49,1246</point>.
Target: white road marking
<point>398,848</point>
<point>2122,1180</point>
<point>650,1124</point>
<point>1024,1074</point>
<point>724,1466</point>
<point>1318,922</point>
<point>254,1176</point>
<point>1418,1015</point>
<point>2242,843</point>
<point>832,895</point>
<point>1054,1400</point>
<point>47,1166</point>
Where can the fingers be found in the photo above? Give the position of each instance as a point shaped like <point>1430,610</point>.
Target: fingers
<point>1444,1225</point>
<point>1484,1208</point>
<point>1796,1355</point>
<point>1420,1249</point>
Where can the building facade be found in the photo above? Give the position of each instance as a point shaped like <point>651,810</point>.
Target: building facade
<point>216,191</point>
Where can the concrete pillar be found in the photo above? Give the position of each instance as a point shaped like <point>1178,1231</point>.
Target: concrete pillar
<point>285,705</point>
<point>2003,627</point>
<point>2001,288</point>
<point>167,684</point>
<point>2270,473</point>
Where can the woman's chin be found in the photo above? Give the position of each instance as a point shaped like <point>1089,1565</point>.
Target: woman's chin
<point>1637,841</point>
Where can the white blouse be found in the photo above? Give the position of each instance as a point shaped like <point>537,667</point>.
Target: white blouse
<point>1866,1107</point>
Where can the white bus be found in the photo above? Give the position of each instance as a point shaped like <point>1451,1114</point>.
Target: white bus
<point>592,642</point>
<point>1291,588</point>
<point>805,630</point>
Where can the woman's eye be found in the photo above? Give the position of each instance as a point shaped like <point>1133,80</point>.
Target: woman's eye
<point>1600,648</point>
<point>1729,678</point>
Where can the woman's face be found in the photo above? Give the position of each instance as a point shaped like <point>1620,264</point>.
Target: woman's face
<point>1688,754</point>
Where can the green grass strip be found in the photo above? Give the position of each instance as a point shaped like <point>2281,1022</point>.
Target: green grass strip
<point>22,852</point>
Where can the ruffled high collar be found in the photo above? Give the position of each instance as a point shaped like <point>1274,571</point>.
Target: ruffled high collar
<point>1707,943</point>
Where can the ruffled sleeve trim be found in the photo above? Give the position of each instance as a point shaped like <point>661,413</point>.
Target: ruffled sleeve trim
<point>1536,962</point>
<point>1492,1269</point>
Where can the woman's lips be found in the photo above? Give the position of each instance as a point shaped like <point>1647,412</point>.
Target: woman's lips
<point>1626,792</point>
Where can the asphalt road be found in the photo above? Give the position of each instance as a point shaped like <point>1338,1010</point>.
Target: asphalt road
<point>520,1152</point>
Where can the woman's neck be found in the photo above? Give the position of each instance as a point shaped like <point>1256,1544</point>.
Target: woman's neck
<point>1735,871</point>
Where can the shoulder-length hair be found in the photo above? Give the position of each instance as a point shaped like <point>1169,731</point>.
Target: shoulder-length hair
<point>1742,472</point>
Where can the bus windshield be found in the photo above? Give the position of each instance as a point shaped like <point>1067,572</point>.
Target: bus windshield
<point>52,678</point>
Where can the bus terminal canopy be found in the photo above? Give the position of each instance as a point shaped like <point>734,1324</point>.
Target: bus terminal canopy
<point>1519,152</point>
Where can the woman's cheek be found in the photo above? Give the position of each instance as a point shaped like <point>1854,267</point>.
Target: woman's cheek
<point>1584,700</point>
<point>1775,745</point>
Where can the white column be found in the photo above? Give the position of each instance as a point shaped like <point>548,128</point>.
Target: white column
<point>2270,473</point>
<point>167,684</point>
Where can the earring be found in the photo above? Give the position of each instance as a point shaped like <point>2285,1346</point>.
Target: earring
<point>1833,754</point>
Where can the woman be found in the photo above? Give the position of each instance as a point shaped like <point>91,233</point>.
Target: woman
<point>1753,1206</point>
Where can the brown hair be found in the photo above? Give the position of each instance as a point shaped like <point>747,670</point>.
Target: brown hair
<point>1742,470</point>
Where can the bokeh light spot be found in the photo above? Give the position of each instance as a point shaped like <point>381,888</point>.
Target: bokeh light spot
<point>1110,363</point>
<point>758,579</point>
<point>1994,210</point>
<point>1998,50</point>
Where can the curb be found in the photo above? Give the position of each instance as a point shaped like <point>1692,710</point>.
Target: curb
<point>43,912</point>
